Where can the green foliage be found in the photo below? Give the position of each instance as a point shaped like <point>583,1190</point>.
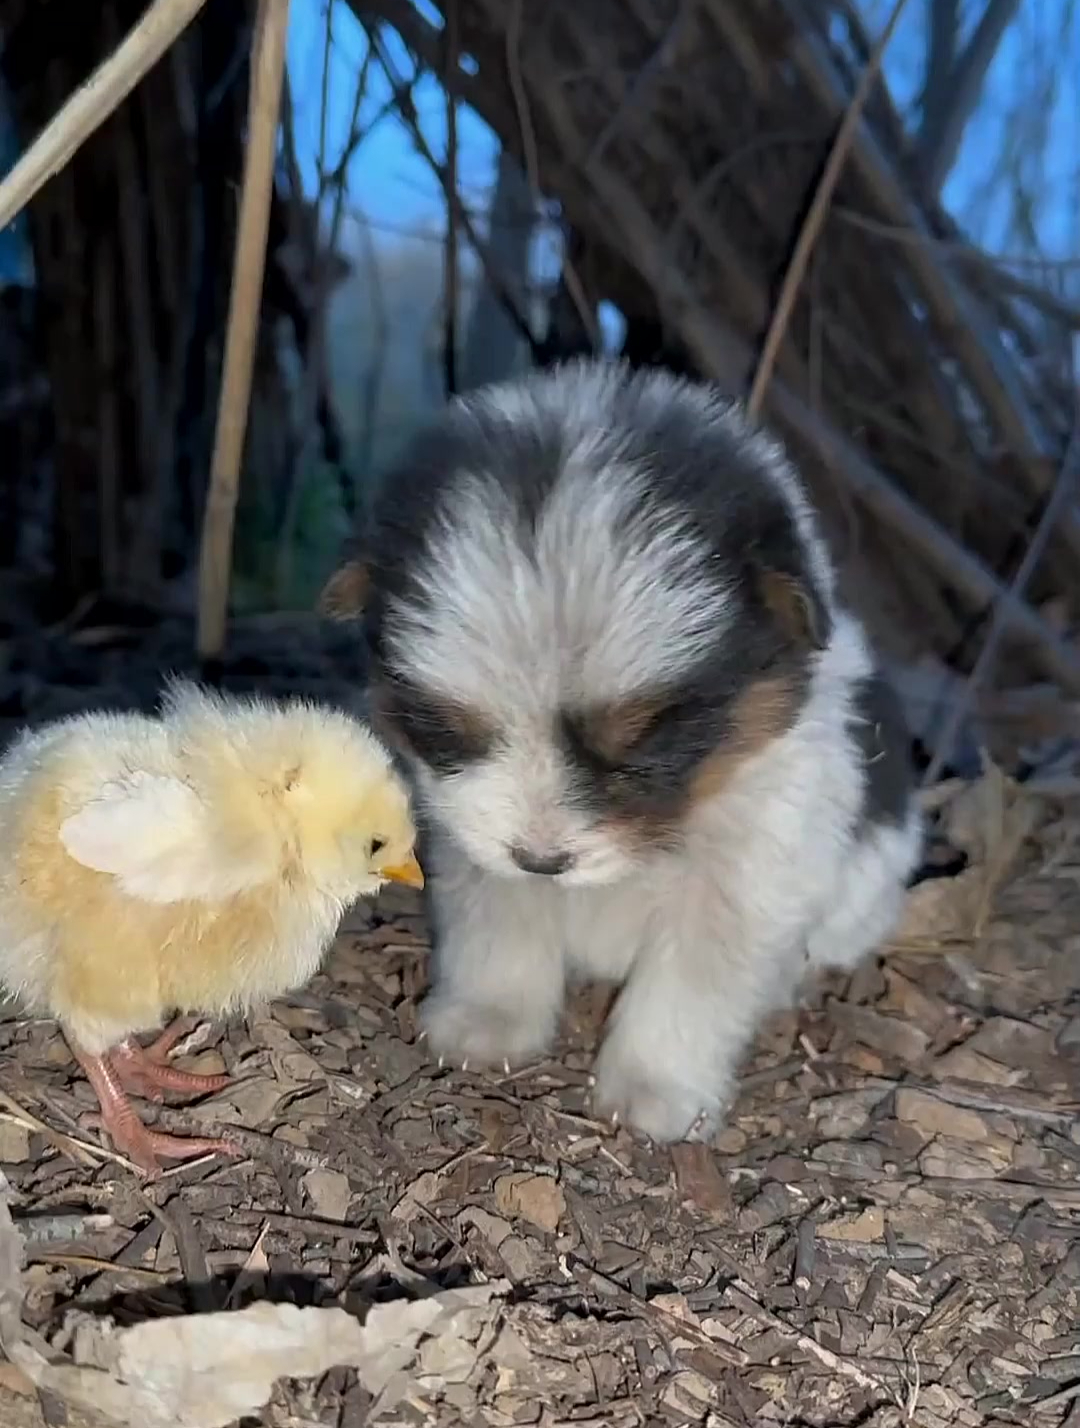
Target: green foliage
<point>270,578</point>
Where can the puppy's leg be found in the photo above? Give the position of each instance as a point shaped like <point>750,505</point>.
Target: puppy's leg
<point>694,998</point>
<point>870,895</point>
<point>498,964</point>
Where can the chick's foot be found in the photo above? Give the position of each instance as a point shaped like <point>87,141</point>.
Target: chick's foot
<point>128,1134</point>
<point>144,1070</point>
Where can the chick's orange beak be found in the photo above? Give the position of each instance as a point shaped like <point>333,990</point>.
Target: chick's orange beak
<point>409,872</point>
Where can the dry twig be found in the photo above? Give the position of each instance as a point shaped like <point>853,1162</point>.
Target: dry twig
<point>718,347</point>
<point>816,215</point>
<point>407,110</point>
<point>574,285</point>
<point>268,69</point>
<point>450,256</point>
<point>94,101</point>
<point>1063,493</point>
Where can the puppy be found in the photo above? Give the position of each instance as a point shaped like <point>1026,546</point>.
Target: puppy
<point>651,744</point>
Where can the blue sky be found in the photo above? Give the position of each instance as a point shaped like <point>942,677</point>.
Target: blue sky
<point>387,178</point>
<point>397,192</point>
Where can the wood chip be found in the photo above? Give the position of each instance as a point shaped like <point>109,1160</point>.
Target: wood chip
<point>933,1116</point>
<point>329,1193</point>
<point>700,1181</point>
<point>536,1198</point>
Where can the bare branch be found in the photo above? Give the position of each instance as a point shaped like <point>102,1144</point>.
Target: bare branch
<point>574,286</point>
<point>492,337</point>
<point>380,337</point>
<point>941,44</point>
<point>943,127</point>
<point>816,215</point>
<point>1064,492</point>
<point>94,101</point>
<point>402,93</point>
<point>264,104</point>
<point>451,60</point>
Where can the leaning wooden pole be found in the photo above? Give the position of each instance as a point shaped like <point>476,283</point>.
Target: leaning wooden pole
<point>264,105</point>
<point>93,102</point>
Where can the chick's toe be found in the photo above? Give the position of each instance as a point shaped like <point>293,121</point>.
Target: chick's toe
<point>142,1073</point>
<point>130,1137</point>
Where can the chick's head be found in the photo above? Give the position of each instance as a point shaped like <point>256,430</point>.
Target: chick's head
<point>294,791</point>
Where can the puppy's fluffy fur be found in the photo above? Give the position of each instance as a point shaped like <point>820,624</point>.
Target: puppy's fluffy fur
<point>652,744</point>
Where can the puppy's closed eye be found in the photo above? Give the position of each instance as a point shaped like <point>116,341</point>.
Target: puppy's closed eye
<point>445,734</point>
<point>609,733</point>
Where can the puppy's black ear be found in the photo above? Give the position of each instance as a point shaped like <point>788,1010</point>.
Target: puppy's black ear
<point>344,595</point>
<point>796,605</point>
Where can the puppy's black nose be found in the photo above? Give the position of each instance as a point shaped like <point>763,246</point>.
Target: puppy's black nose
<point>547,865</point>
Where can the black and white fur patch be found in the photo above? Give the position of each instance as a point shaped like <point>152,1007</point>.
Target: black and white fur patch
<point>651,743</point>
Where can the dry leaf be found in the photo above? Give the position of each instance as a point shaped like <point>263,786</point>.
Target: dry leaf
<point>13,1380</point>
<point>329,1192</point>
<point>887,1035</point>
<point>208,1370</point>
<point>489,1226</point>
<point>941,910</point>
<point>423,1190</point>
<point>856,1229</point>
<point>933,1116</point>
<point>964,1160</point>
<point>291,1063</point>
<point>1014,1043</point>
<point>536,1198</point>
<point>14,1142</point>
<point>964,1064</point>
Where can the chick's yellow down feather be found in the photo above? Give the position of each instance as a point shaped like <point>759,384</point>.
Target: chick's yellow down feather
<point>198,861</point>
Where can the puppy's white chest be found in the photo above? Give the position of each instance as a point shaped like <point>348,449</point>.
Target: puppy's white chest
<point>604,929</point>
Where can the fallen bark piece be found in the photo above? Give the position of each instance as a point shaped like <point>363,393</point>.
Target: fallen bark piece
<point>536,1198</point>
<point>208,1370</point>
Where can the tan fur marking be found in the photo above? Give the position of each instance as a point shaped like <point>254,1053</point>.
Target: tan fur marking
<point>763,712</point>
<point>612,730</point>
<point>640,833</point>
<point>466,723</point>
<point>344,595</point>
<point>790,603</point>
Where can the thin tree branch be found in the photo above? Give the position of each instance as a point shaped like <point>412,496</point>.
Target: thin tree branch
<point>451,60</point>
<point>941,44</point>
<point>574,286</point>
<point>94,101</point>
<point>1064,491</point>
<point>407,110</point>
<point>324,99</point>
<point>816,215</point>
<point>380,335</point>
<point>940,143</point>
<point>264,104</point>
<point>316,384</point>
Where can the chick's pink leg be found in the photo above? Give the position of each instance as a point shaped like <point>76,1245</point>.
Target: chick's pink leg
<point>144,1070</point>
<point>128,1134</point>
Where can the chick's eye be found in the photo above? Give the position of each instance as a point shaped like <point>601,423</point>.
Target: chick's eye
<point>377,845</point>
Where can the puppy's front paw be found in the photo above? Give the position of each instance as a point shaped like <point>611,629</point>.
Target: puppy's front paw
<point>629,1091</point>
<point>475,1033</point>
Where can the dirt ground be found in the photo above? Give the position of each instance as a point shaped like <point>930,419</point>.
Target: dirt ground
<point>886,1233</point>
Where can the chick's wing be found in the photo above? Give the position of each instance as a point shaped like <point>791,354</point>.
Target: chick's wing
<point>150,832</point>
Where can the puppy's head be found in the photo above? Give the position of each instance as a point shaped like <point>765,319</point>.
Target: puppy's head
<point>593,596</point>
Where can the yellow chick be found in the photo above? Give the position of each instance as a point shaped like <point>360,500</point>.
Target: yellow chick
<point>199,861</point>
